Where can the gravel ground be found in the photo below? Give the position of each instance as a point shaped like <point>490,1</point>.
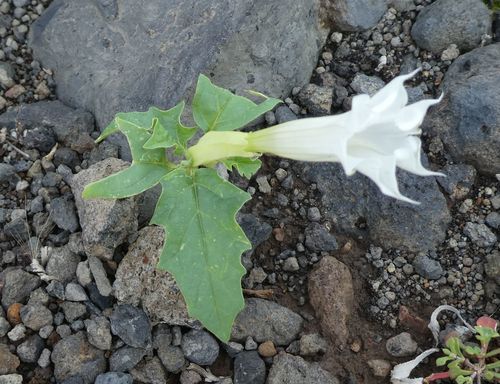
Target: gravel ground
<point>87,291</point>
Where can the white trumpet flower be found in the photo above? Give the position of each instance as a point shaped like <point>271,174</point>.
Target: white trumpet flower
<point>379,134</point>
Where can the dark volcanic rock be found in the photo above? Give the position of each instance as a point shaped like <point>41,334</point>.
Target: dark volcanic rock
<point>355,15</point>
<point>154,47</point>
<point>63,213</point>
<point>200,347</point>
<point>249,368</point>
<point>357,207</point>
<point>445,22</point>
<point>45,119</point>
<point>468,119</point>
<point>132,325</point>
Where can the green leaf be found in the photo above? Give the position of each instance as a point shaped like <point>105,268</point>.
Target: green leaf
<point>493,352</point>
<point>165,125</point>
<point>495,365</point>
<point>443,360</point>
<point>148,166</point>
<point>137,136</point>
<point>109,130</point>
<point>456,370</point>
<point>489,375</point>
<point>217,109</point>
<point>485,334</point>
<point>169,131</point>
<point>129,182</point>
<point>472,350</point>
<point>142,120</point>
<point>464,380</point>
<point>246,167</point>
<point>204,244</point>
<point>453,344</point>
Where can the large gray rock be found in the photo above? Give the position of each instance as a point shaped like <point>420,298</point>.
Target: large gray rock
<point>121,55</point>
<point>445,22</point>
<point>106,223</point>
<point>289,369</point>
<point>142,283</point>
<point>358,208</point>
<point>74,356</point>
<point>355,15</point>
<point>266,320</point>
<point>468,119</point>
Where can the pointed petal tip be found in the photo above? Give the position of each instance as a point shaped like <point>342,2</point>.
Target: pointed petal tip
<point>397,195</point>
<point>410,75</point>
<point>414,72</point>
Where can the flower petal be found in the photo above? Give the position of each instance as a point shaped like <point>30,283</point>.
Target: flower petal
<point>408,158</point>
<point>401,372</point>
<point>393,96</point>
<point>411,117</point>
<point>382,171</point>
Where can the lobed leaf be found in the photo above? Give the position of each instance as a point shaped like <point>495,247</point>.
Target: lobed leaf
<point>129,182</point>
<point>165,126</point>
<point>204,244</point>
<point>245,166</point>
<point>217,109</point>
<point>148,165</point>
<point>168,130</point>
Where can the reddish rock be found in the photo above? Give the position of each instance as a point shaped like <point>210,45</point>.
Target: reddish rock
<point>331,293</point>
<point>267,349</point>
<point>14,313</point>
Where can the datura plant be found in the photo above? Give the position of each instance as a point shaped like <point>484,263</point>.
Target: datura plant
<point>197,207</point>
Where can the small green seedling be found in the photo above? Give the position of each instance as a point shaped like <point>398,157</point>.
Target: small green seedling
<point>470,363</point>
